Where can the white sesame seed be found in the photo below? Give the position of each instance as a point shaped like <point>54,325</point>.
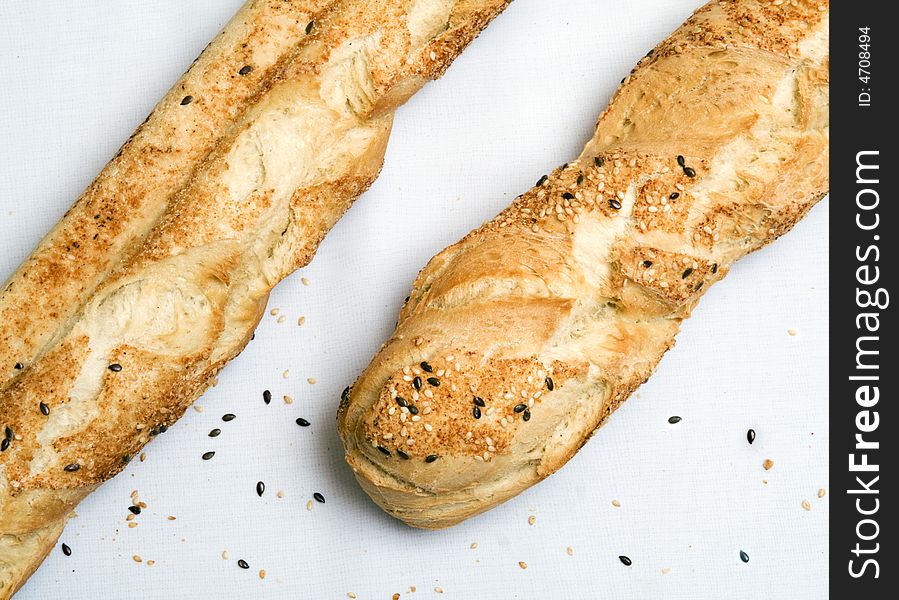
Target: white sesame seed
<point>410,441</point>
<point>429,394</point>
<point>407,378</point>
<point>416,418</point>
<point>304,281</point>
<point>488,440</point>
<point>391,411</point>
<point>274,312</point>
<point>429,427</point>
<point>388,436</point>
<point>404,432</point>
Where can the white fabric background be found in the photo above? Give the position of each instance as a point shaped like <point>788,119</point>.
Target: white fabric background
<point>78,77</point>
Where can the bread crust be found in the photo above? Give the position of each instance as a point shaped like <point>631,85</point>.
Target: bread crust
<point>157,276</point>
<point>545,319</point>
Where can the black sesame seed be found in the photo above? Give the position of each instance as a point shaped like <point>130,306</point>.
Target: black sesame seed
<point>580,179</point>
<point>187,100</point>
<point>66,550</point>
<point>134,509</point>
<point>8,433</point>
<point>680,161</point>
<point>674,196</point>
<point>208,455</point>
<point>402,455</point>
<point>568,196</point>
<point>267,397</point>
<point>19,366</point>
<point>520,408</point>
<point>260,488</point>
<point>598,161</point>
<point>689,171</point>
<point>434,381</point>
<point>401,401</point>
<point>243,564</point>
<point>426,367</point>
<point>647,263</point>
<point>416,383</point>
<point>384,450</point>
<point>698,285</point>
<point>479,401</point>
<point>302,422</point>
<point>714,268</point>
<point>115,367</point>
<point>542,180</point>
<point>476,411</point>
<point>163,428</point>
<point>126,458</point>
<point>430,458</point>
<point>215,432</point>
<point>72,467</point>
<point>309,27</point>
<point>750,436</point>
<point>625,560</point>
<point>687,272</point>
<point>413,409</point>
<point>228,417</point>
<point>526,416</point>
<point>245,70</point>
<point>743,556</point>
<point>318,497</point>
<point>614,203</point>
<point>345,393</point>
<point>549,384</point>
<point>4,444</point>
<point>674,420</point>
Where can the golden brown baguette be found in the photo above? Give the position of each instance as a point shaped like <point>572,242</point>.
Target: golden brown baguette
<point>520,340</point>
<point>159,273</point>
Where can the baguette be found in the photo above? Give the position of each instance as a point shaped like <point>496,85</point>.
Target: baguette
<point>159,273</point>
<point>519,341</point>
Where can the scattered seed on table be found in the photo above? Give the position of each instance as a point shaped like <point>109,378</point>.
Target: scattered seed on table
<point>215,432</point>
<point>303,422</point>
<point>288,399</point>
<point>522,564</point>
<point>743,556</point>
<point>300,321</point>
<point>136,558</point>
<point>115,367</point>
<point>260,488</point>
<point>474,546</point>
<point>171,517</point>
<point>286,374</point>
<point>228,417</point>
<point>311,381</point>
<point>134,509</point>
<point>821,493</point>
<point>280,494</point>
<point>318,497</point>
<point>309,505</point>
<point>243,564</point>
<point>569,551</point>
<point>625,560</point>
<point>674,420</point>
<point>66,550</point>
<point>208,455</point>
<point>666,570</point>
<point>224,555</point>
<point>806,505</point>
<point>532,519</point>
<point>616,503</point>
<point>768,464</point>
<point>750,436</point>
<point>132,524</point>
<point>267,397</point>
<point>304,281</point>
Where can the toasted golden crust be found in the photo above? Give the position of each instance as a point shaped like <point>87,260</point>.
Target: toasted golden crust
<point>160,271</point>
<point>713,146</point>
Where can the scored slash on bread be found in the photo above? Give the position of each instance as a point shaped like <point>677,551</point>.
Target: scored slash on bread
<point>544,320</point>
<point>159,273</point>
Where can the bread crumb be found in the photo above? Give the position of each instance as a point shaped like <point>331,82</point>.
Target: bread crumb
<point>768,464</point>
<point>396,596</point>
<point>412,589</point>
<point>616,503</point>
<point>821,493</point>
<point>532,519</point>
<point>806,505</point>
<point>522,564</point>
<point>304,281</point>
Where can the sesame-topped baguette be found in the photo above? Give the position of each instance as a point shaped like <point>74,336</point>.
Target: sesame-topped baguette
<point>159,273</point>
<point>521,339</point>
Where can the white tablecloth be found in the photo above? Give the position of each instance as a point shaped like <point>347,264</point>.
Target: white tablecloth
<point>79,76</point>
